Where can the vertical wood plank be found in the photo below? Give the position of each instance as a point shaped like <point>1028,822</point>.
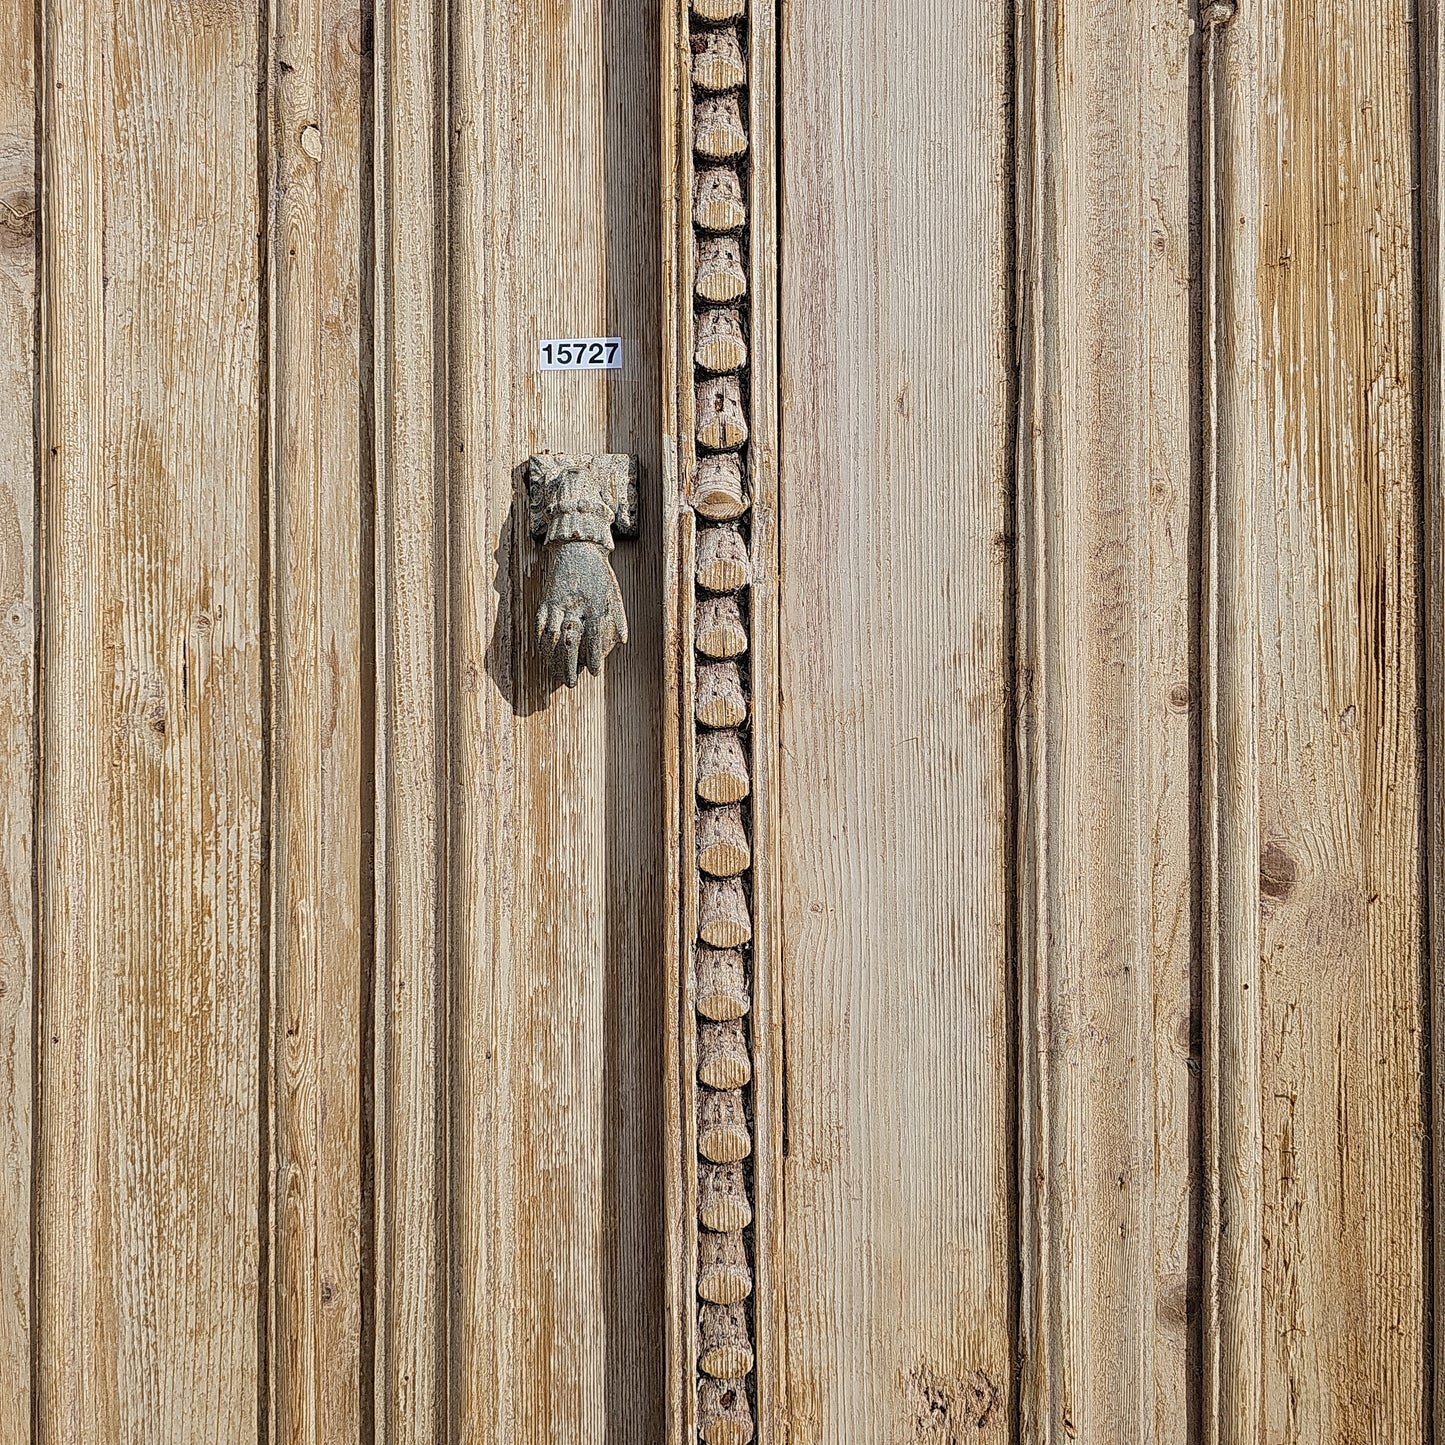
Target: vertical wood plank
<point>1432,421</point>
<point>412,701</point>
<point>152,734</point>
<point>18,462</point>
<point>1339,552</point>
<point>557,807</point>
<point>892,846</point>
<point>320,791</point>
<point>1104,517</point>
<point>1233,474</point>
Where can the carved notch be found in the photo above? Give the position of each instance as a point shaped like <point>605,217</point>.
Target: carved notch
<point>575,504</point>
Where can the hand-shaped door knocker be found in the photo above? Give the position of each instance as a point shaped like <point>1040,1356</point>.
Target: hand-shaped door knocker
<point>575,502</point>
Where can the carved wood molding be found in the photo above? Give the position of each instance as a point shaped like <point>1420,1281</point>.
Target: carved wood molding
<point>721,388</point>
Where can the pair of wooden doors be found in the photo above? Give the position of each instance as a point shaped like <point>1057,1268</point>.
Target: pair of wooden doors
<point>964,972</point>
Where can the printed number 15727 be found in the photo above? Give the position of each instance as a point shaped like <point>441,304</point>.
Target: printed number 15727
<point>580,353</point>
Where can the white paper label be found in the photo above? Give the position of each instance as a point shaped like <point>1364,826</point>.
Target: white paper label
<point>580,353</point>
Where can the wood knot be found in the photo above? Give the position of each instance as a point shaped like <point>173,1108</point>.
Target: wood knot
<point>1278,872</point>
<point>950,1409</point>
<point>1179,697</point>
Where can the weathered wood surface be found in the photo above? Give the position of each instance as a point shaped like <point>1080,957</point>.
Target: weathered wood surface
<point>150,872</point>
<point>899,1263</point>
<point>1344,1107</point>
<point>557,836</point>
<point>18,419</point>
<point>1105,513</point>
<point>320,577</point>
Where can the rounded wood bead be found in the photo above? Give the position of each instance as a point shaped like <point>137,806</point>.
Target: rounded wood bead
<point>723,1061</point>
<point>717,492</point>
<point>717,199</point>
<point>720,700</point>
<point>717,128</point>
<point>722,563</point>
<point>718,629</point>
<point>722,1198</point>
<point>721,983</point>
<point>717,59</point>
<point>718,9</point>
<point>718,273</point>
<point>724,1415</point>
<point>727,1352</point>
<point>723,920</point>
<point>720,345</point>
<point>724,1276</point>
<point>722,841</point>
<point>722,1126</point>
<point>720,420</point>
<point>722,768</point>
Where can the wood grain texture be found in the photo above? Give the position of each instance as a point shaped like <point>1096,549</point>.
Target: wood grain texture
<point>1340,741</point>
<point>1105,499</point>
<point>1233,475</point>
<point>321,793</point>
<point>411,1376</point>
<point>1432,424</point>
<point>556,793</point>
<point>898,1259</point>
<point>151,967</point>
<point>18,672</point>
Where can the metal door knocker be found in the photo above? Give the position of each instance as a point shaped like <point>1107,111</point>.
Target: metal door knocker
<point>575,503</point>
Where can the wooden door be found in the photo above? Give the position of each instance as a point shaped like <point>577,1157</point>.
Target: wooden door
<point>963,971</point>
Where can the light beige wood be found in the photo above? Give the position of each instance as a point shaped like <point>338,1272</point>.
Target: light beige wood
<point>892,839</point>
<point>724,1413</point>
<point>722,841</point>
<point>724,1275</point>
<point>721,421</point>
<point>720,344</point>
<point>320,813</point>
<point>718,9</point>
<point>717,59</point>
<point>724,920</point>
<point>721,990</point>
<point>726,1346</point>
<point>719,269</point>
<point>718,492</point>
<point>723,1061</point>
<point>18,205</point>
<point>557,847</point>
<point>717,129</point>
<point>719,631</point>
<point>722,1198</point>
<point>718,199</point>
<point>1343,1114</point>
<point>721,703</point>
<point>723,1136</point>
<point>722,559</point>
<point>1107,414</point>
<point>150,874</point>
<point>1234,472</point>
<point>1432,421</point>
<point>722,767</point>
<point>409,1381</point>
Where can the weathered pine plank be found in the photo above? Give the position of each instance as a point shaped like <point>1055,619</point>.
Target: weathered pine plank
<point>1432,422</point>
<point>1105,498</point>
<point>411,1021</point>
<point>558,837</point>
<point>895,463</point>
<point>1232,473</point>
<point>1339,551</point>
<point>151,874</point>
<point>18,461</point>
<point>320,579</point>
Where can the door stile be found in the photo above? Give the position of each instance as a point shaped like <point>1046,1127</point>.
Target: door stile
<point>724,1055</point>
